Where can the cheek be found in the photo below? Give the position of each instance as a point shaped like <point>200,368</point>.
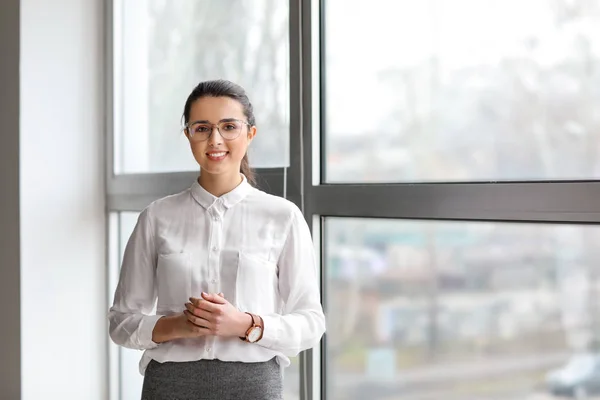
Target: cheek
<point>198,150</point>
<point>237,150</point>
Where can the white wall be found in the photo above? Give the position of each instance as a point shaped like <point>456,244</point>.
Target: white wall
<point>63,296</point>
<point>10,340</point>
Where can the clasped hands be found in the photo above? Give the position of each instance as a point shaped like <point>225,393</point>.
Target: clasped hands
<point>213,315</point>
<point>210,315</point>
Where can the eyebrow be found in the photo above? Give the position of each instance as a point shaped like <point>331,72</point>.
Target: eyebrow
<point>205,121</point>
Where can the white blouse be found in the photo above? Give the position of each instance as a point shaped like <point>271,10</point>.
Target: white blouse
<point>254,247</point>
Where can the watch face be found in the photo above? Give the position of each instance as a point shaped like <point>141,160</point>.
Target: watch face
<point>254,334</point>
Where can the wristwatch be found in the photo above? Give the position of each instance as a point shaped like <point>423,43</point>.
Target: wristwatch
<point>255,332</point>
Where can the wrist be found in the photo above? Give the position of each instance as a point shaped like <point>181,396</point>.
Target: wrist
<point>163,330</point>
<point>158,331</point>
<point>244,324</point>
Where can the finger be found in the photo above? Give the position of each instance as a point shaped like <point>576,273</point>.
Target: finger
<point>196,301</point>
<point>206,305</point>
<point>221,294</point>
<point>198,312</point>
<point>210,298</point>
<point>198,330</point>
<point>199,322</point>
<point>213,298</point>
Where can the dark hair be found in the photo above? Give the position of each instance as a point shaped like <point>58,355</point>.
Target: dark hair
<point>224,88</point>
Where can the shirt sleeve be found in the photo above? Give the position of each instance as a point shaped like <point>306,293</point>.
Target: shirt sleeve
<point>130,322</point>
<point>302,323</point>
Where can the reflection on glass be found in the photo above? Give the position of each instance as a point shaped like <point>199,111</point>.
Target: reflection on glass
<point>165,48</point>
<point>452,310</point>
<point>130,379</point>
<point>461,90</point>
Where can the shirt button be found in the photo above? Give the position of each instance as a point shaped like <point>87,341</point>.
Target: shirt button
<point>215,248</point>
<point>214,281</point>
<point>208,349</point>
<point>216,219</point>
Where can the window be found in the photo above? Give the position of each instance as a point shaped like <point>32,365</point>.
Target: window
<point>461,90</point>
<point>159,50</point>
<point>445,153</point>
<point>458,309</point>
<point>163,49</point>
<point>440,280</point>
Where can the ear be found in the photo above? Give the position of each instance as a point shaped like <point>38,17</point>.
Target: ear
<point>251,134</point>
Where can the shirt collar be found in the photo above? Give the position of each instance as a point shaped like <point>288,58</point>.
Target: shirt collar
<point>206,199</point>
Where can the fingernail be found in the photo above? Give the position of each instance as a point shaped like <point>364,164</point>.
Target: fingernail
<point>204,294</point>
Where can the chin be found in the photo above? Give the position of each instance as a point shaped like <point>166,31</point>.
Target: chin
<point>218,170</point>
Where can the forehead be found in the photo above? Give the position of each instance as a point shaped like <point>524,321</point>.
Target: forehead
<point>216,108</point>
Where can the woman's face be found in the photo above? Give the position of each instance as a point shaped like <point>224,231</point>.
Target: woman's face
<point>217,155</point>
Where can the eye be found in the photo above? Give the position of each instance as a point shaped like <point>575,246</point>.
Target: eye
<point>201,129</point>
<point>230,127</point>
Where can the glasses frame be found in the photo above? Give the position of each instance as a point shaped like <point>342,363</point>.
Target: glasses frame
<point>186,128</point>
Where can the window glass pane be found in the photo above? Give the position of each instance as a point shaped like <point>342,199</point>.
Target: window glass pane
<point>291,380</point>
<point>461,90</point>
<point>165,48</point>
<point>130,379</point>
<point>452,310</point>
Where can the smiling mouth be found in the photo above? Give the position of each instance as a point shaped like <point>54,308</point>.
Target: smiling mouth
<point>217,155</point>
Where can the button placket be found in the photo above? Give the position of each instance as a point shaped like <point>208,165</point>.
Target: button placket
<point>214,261</point>
<point>214,258</point>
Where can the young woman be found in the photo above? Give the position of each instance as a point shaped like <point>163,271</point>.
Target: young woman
<point>230,269</point>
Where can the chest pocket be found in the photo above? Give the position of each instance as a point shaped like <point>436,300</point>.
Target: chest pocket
<point>174,281</point>
<point>256,284</point>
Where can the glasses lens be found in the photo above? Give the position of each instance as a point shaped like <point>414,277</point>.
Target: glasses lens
<point>200,131</point>
<point>230,129</point>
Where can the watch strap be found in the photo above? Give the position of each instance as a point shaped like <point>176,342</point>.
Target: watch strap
<point>253,326</point>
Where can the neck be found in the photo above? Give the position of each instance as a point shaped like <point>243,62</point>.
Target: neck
<point>218,185</point>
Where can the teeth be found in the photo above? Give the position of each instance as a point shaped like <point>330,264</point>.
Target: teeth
<point>217,154</point>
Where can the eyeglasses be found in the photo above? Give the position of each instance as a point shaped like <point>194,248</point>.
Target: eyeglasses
<point>229,129</point>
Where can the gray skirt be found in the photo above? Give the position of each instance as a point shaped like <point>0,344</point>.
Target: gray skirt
<point>213,380</point>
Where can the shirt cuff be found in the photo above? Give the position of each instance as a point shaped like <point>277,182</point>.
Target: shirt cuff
<point>145,331</point>
<point>271,331</point>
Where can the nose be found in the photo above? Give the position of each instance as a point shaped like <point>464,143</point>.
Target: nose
<point>215,138</point>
